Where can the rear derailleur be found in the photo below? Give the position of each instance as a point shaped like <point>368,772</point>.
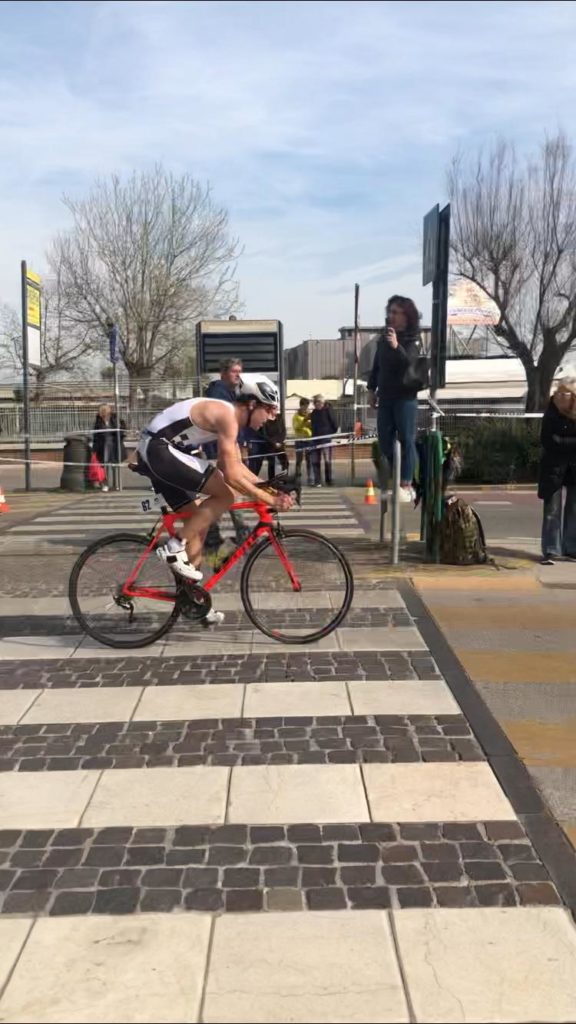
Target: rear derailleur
<point>127,604</point>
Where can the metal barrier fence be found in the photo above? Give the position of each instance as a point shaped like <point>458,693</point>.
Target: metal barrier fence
<point>499,444</point>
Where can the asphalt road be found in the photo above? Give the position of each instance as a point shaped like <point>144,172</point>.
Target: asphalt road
<point>514,516</point>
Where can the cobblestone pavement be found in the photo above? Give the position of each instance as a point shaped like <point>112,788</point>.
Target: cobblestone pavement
<point>211,669</point>
<point>295,740</point>
<point>223,834</point>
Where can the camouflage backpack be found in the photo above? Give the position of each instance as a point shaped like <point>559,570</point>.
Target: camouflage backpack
<point>462,540</point>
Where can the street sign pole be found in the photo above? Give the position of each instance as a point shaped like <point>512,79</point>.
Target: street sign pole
<point>113,338</point>
<point>355,386</point>
<point>26,379</point>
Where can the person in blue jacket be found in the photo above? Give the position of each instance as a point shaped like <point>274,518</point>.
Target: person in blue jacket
<point>224,388</point>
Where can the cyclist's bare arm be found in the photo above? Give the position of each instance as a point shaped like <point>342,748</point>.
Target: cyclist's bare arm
<point>240,477</point>
<point>220,419</point>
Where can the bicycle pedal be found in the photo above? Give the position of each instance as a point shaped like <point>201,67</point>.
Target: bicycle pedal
<point>213,618</point>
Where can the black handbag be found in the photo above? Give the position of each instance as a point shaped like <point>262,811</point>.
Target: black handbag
<point>417,374</point>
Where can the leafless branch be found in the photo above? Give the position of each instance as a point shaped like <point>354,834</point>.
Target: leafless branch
<point>514,235</point>
<point>152,253</point>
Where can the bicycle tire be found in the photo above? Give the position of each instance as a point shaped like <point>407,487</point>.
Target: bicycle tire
<point>92,630</point>
<point>258,615</point>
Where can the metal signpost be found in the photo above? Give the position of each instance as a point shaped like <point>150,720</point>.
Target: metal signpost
<point>355,386</point>
<point>435,266</point>
<point>31,327</point>
<point>114,341</point>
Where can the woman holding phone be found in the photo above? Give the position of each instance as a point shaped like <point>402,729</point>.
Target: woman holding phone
<point>398,374</point>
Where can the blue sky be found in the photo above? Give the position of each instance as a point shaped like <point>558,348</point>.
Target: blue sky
<point>325,128</point>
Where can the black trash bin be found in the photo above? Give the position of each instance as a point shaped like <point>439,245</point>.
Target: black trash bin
<point>76,457</point>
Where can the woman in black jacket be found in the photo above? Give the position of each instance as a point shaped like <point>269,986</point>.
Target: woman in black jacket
<point>104,441</point>
<point>394,383</point>
<point>558,471</point>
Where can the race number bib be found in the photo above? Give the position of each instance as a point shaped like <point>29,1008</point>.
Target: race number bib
<point>151,504</point>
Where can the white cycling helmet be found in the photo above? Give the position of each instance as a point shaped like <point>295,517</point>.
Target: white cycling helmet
<point>256,385</point>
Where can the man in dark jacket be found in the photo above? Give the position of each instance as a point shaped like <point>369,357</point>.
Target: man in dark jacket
<point>225,390</point>
<point>393,385</point>
<point>558,471</point>
<point>323,427</point>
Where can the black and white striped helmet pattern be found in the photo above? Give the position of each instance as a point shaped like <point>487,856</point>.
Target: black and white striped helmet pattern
<point>256,385</point>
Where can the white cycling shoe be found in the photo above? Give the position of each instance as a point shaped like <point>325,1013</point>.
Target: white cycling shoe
<point>174,554</point>
<point>214,618</point>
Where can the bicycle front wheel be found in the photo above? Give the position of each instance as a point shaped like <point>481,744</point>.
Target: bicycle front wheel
<point>298,589</point>
<point>95,593</point>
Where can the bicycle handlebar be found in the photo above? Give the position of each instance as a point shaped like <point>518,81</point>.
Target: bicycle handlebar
<point>284,485</point>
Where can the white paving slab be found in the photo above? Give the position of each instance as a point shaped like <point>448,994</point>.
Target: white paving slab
<point>158,796</point>
<point>402,697</point>
<point>102,969</point>
<point>13,934</point>
<point>284,699</point>
<point>15,703</point>
<point>223,700</point>
<point>94,704</point>
<point>380,638</point>
<point>318,967</point>
<point>35,647</point>
<point>460,791</point>
<point>272,794</point>
<point>493,965</point>
<point>45,799</point>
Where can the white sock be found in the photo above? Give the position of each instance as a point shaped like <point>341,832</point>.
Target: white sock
<point>175,544</point>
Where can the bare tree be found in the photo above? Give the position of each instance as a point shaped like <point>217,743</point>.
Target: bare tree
<point>153,254</point>
<point>65,347</point>
<point>514,235</point>
<point>10,340</point>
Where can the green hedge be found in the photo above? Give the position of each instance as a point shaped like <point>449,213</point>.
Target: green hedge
<point>503,451</point>
<point>498,451</point>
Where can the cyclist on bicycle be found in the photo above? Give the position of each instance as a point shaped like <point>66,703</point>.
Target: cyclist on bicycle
<point>164,455</point>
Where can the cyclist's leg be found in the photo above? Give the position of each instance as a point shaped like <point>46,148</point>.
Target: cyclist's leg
<point>180,476</point>
<point>219,498</point>
<point>299,451</point>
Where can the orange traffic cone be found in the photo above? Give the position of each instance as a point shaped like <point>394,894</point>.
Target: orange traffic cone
<point>4,506</point>
<point>370,496</point>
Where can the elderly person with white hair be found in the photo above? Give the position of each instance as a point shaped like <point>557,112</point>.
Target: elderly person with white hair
<point>558,474</point>
<point>323,426</point>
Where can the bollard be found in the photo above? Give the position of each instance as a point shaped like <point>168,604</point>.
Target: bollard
<point>76,457</point>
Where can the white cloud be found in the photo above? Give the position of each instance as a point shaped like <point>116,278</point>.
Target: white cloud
<point>325,128</point>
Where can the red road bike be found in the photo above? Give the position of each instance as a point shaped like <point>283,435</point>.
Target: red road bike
<point>296,586</point>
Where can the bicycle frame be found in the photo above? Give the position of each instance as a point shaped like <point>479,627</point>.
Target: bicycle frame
<point>265,527</point>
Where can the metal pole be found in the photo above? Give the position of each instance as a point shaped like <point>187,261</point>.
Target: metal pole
<point>117,468</point>
<point>25,379</point>
<point>395,551</point>
<point>281,371</point>
<point>355,386</point>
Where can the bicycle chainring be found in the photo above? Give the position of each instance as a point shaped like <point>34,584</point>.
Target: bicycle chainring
<point>194,602</point>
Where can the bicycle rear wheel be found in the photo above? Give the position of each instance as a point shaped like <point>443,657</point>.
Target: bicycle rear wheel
<point>95,593</point>
<point>325,593</point>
